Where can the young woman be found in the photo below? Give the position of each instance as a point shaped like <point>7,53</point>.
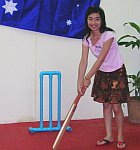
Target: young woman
<point>110,85</point>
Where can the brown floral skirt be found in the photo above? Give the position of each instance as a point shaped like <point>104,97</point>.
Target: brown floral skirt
<point>111,87</point>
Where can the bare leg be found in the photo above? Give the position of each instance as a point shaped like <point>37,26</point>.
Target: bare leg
<point>119,117</point>
<point>108,115</point>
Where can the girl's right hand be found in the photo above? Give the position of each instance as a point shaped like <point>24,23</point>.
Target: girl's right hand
<point>80,88</point>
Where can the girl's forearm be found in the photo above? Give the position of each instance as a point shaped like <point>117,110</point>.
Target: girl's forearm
<point>94,69</point>
<point>81,71</point>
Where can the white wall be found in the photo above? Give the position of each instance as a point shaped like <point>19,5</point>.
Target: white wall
<point>24,54</point>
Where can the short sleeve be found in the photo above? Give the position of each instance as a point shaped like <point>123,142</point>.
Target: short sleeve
<point>85,42</point>
<point>108,35</point>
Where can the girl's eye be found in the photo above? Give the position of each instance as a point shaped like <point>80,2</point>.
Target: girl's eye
<point>97,19</point>
<point>90,19</point>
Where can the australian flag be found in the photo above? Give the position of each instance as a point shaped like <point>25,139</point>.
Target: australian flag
<point>56,17</point>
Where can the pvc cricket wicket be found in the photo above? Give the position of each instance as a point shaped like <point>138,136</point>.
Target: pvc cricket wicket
<point>50,128</point>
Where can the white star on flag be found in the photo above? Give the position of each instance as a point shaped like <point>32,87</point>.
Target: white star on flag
<point>77,5</point>
<point>69,22</point>
<point>10,7</point>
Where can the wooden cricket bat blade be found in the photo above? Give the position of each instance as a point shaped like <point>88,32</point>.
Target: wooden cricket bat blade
<point>66,122</point>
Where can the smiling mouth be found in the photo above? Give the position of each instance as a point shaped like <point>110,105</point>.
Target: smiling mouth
<point>93,27</point>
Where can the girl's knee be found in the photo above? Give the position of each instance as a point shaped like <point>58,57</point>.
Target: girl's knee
<point>117,108</point>
<point>107,106</point>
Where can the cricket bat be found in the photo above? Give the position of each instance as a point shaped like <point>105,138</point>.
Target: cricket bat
<point>66,122</point>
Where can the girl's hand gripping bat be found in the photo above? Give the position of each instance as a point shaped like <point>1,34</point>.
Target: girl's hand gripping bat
<point>67,120</point>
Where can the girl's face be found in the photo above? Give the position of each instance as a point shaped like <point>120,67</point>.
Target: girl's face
<point>94,22</point>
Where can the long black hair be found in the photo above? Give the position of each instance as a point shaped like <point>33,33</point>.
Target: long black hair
<point>101,12</point>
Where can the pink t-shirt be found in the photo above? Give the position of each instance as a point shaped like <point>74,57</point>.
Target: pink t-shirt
<point>113,60</point>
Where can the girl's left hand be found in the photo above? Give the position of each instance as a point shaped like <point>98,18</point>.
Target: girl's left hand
<point>87,82</point>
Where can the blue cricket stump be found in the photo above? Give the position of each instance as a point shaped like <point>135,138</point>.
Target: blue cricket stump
<point>50,127</point>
